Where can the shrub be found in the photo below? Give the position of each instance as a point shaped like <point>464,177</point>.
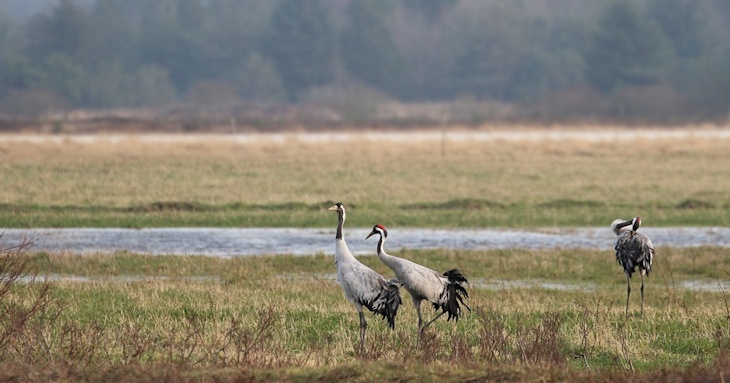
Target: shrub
<point>17,281</point>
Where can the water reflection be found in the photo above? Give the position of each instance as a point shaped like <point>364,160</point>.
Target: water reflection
<point>227,242</point>
<point>493,284</point>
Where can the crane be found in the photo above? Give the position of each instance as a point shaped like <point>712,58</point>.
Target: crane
<point>633,249</point>
<point>363,286</point>
<point>445,291</point>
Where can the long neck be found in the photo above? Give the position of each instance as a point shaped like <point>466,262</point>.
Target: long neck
<point>620,228</point>
<point>342,253</point>
<point>388,259</point>
<point>381,242</point>
<point>340,225</point>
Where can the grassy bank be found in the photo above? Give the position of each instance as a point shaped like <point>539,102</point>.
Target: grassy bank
<point>469,184</point>
<point>553,315</point>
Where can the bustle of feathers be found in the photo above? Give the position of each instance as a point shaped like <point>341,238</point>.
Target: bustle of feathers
<point>455,294</point>
<point>634,249</point>
<point>386,303</point>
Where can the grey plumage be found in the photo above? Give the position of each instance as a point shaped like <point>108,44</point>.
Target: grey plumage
<point>361,285</point>
<point>445,291</point>
<point>633,250</point>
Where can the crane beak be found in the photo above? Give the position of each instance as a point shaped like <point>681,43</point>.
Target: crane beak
<point>371,234</point>
<point>333,208</point>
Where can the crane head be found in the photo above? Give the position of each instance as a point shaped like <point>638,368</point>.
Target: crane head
<point>337,207</point>
<point>618,225</point>
<point>378,229</point>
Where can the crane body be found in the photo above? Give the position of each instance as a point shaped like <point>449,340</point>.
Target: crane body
<point>446,292</point>
<point>362,286</point>
<point>633,250</point>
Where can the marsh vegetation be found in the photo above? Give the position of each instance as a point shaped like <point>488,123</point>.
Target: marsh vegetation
<point>279,317</point>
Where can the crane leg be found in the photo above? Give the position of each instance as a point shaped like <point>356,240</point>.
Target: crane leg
<point>642,295</point>
<point>433,320</point>
<point>363,327</point>
<point>417,305</point>
<point>628,293</point>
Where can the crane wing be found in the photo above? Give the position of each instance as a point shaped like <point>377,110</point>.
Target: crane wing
<point>424,282</point>
<point>360,283</point>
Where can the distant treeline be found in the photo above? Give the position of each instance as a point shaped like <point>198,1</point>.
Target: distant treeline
<point>665,60</point>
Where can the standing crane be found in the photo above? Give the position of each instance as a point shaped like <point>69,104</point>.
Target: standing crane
<point>445,291</point>
<point>363,286</point>
<point>633,249</point>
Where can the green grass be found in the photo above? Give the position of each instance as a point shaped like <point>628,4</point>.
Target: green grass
<point>176,309</point>
<point>547,214</point>
<point>259,184</point>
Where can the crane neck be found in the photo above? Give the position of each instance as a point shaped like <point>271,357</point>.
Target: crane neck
<point>385,257</point>
<point>381,243</point>
<point>341,223</point>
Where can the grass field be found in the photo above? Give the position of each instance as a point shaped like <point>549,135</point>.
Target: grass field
<point>553,315</point>
<point>670,182</point>
<point>284,318</point>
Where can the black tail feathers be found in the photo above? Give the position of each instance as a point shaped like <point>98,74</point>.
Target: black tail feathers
<point>389,301</point>
<point>455,295</point>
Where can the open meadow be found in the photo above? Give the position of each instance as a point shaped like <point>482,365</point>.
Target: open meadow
<point>418,183</point>
<point>535,315</point>
<point>542,315</point>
